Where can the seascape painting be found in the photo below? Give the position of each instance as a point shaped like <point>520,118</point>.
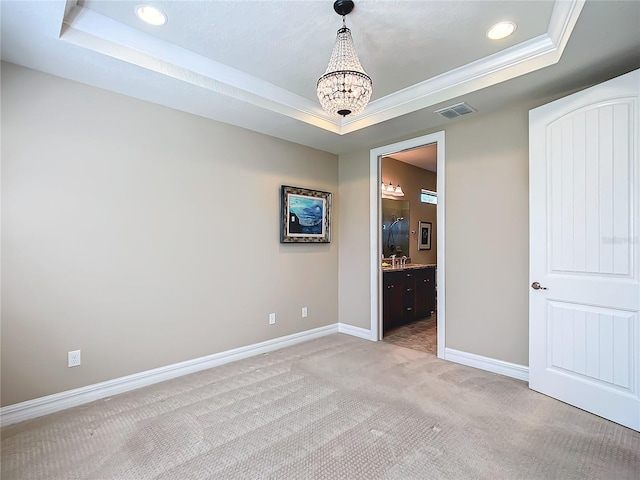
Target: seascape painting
<point>305,215</point>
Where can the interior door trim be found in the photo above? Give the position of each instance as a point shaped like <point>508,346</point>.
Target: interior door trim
<point>375,214</point>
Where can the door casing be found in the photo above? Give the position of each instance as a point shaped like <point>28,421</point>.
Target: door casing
<point>375,177</point>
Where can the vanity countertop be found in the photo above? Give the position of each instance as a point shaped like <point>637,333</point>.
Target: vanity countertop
<point>409,266</point>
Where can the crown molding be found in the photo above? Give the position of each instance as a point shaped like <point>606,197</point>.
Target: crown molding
<point>87,29</point>
<point>520,59</point>
<point>90,30</point>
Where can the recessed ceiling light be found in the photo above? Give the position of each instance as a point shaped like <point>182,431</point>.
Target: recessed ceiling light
<point>501,30</point>
<point>151,15</point>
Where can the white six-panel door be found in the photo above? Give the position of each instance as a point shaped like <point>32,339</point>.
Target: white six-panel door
<point>584,185</point>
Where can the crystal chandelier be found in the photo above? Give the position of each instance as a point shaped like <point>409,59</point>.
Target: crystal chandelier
<point>345,88</point>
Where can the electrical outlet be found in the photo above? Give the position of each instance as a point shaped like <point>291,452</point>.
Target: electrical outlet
<point>73,358</point>
<point>272,318</point>
<point>304,312</point>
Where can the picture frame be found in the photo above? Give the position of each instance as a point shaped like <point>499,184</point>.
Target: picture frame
<point>305,215</point>
<point>424,235</point>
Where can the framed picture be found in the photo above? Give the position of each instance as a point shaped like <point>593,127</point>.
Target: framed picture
<point>305,215</point>
<point>424,236</point>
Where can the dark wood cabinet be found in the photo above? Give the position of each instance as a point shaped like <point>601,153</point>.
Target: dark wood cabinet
<point>408,295</point>
<point>392,299</point>
<point>425,281</point>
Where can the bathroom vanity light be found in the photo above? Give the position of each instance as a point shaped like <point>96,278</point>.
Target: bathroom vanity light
<point>391,191</point>
<point>397,192</point>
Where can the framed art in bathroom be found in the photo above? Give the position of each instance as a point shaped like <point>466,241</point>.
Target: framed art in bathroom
<point>424,235</point>
<point>305,215</point>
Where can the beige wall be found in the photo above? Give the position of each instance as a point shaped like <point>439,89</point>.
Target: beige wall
<point>486,235</point>
<point>144,236</point>
<point>355,253</point>
<point>413,180</point>
<point>118,236</point>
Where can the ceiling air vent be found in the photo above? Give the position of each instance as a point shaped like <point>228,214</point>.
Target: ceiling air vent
<point>457,110</point>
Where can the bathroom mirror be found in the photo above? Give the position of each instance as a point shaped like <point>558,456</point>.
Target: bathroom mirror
<point>395,227</point>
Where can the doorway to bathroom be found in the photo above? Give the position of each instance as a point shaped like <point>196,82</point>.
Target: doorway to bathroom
<point>420,257</point>
<point>409,248</point>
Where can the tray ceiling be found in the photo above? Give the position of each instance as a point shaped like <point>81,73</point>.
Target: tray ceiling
<point>255,64</point>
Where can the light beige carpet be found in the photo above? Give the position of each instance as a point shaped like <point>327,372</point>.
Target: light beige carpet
<point>334,408</point>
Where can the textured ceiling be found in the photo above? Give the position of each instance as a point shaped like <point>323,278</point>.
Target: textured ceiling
<point>289,43</point>
<point>255,63</point>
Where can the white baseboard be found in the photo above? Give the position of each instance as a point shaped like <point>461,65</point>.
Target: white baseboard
<point>71,398</point>
<point>514,370</point>
<point>355,331</point>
